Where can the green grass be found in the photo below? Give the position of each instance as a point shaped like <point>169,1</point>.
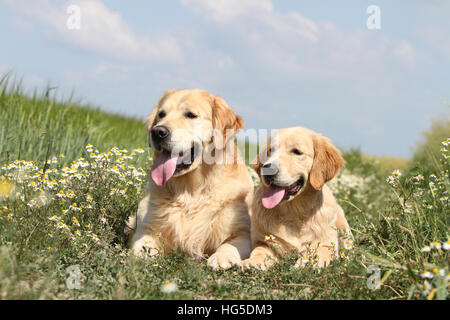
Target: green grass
<point>33,126</point>
<point>427,151</point>
<point>386,164</point>
<point>391,223</point>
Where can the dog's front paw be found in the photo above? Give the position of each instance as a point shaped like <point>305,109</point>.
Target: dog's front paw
<point>224,259</point>
<point>146,252</point>
<point>145,249</point>
<point>258,262</point>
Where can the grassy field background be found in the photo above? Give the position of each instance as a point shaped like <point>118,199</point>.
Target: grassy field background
<point>82,172</point>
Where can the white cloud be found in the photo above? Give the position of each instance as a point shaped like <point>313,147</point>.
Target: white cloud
<point>337,80</point>
<point>102,30</point>
<point>227,10</point>
<point>290,43</point>
<point>260,11</point>
<point>104,67</point>
<point>103,70</point>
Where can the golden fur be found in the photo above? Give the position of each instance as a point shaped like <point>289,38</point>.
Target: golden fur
<point>204,209</point>
<point>307,222</point>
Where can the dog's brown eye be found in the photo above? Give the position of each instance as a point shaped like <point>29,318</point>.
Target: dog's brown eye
<point>190,115</point>
<point>297,152</point>
<point>161,115</point>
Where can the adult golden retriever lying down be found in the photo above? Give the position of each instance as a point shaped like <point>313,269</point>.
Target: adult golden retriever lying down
<point>293,209</point>
<point>200,189</point>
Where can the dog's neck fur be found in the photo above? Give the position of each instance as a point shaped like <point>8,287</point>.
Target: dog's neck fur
<point>306,203</point>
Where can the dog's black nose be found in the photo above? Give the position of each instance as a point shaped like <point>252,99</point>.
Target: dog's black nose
<point>159,133</point>
<point>269,171</point>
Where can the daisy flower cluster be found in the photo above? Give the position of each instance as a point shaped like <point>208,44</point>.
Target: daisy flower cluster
<point>345,252</point>
<point>431,194</point>
<point>436,246</point>
<point>272,240</point>
<point>6,213</point>
<point>394,178</point>
<point>432,279</point>
<point>437,276</point>
<point>81,202</point>
<point>444,149</point>
<point>347,182</point>
<point>429,191</point>
<point>355,188</point>
<point>435,272</point>
<point>423,197</point>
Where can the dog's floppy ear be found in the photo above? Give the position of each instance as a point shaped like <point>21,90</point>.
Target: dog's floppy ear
<point>263,154</point>
<point>327,162</point>
<point>150,120</point>
<point>256,165</point>
<point>226,122</point>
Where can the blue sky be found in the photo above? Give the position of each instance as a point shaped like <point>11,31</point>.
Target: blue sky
<point>278,63</point>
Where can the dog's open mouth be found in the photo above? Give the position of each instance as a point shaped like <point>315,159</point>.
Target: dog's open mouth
<point>276,194</point>
<point>186,159</point>
<point>169,164</point>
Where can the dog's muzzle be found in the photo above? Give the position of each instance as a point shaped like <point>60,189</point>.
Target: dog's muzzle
<point>269,171</point>
<point>160,134</point>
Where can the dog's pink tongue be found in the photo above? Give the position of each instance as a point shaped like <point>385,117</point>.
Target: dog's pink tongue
<point>272,197</point>
<point>164,168</point>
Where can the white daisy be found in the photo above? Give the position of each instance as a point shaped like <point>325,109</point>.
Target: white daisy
<point>169,287</point>
<point>397,174</point>
<point>426,288</point>
<point>426,275</point>
<point>436,245</point>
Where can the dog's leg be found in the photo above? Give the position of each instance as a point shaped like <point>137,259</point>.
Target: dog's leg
<point>130,227</point>
<point>320,257</point>
<point>262,257</point>
<point>231,253</point>
<point>346,240</point>
<point>320,253</point>
<point>143,242</point>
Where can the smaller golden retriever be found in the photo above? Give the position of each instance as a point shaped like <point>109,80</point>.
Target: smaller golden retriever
<point>293,209</point>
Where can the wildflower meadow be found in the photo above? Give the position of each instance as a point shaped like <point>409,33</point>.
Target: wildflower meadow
<point>71,175</point>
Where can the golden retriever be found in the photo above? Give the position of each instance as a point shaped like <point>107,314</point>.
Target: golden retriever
<point>293,209</point>
<point>200,189</point>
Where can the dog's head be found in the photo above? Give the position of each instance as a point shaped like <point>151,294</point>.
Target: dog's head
<point>291,160</point>
<point>182,125</point>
